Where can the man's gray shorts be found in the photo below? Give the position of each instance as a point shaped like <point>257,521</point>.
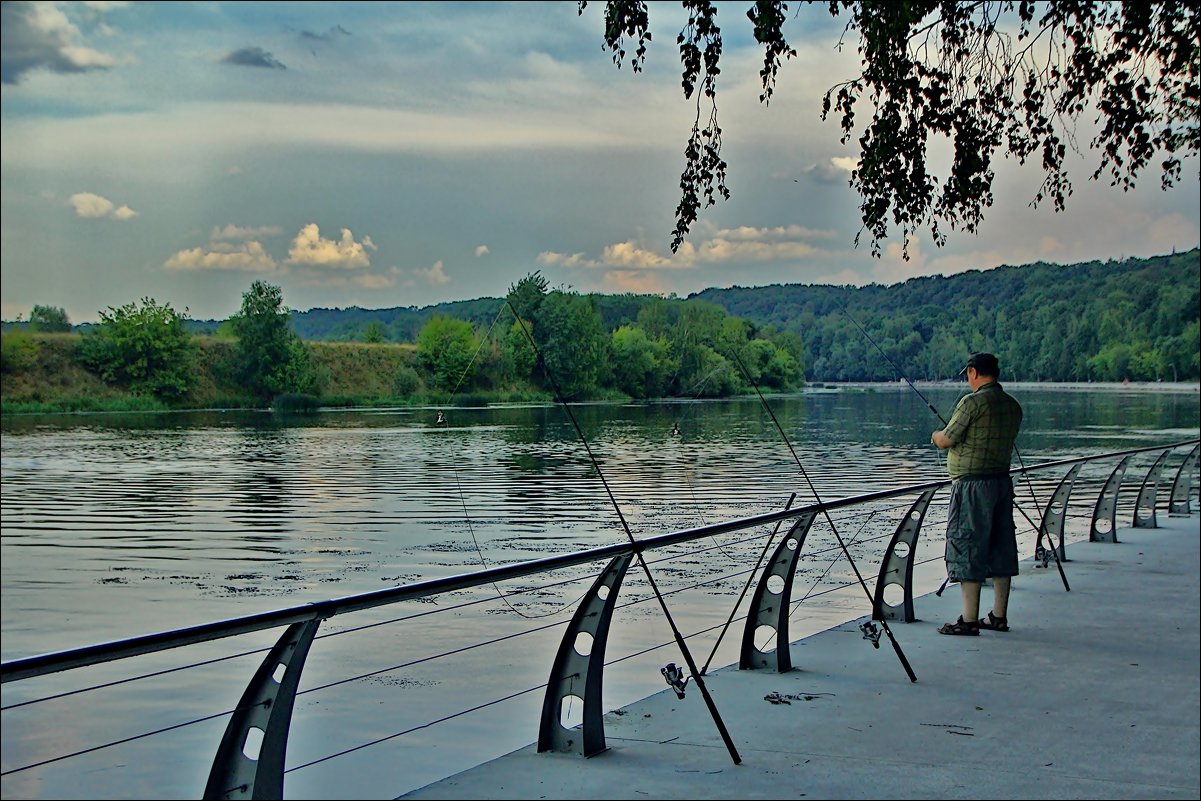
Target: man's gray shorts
<point>981,540</point>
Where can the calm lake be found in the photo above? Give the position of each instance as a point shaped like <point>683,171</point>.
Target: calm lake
<point>119,525</point>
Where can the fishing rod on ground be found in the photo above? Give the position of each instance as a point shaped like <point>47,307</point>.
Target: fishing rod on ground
<point>671,672</point>
<point>1054,550</point>
<point>869,630</point>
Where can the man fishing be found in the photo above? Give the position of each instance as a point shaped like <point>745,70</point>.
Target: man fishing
<point>981,538</point>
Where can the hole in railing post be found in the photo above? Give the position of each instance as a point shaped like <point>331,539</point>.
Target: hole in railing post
<point>894,595</point>
<point>278,675</point>
<point>571,711</point>
<point>602,591</point>
<point>765,638</point>
<point>583,643</point>
<point>253,744</point>
<point>901,549</point>
<point>775,584</point>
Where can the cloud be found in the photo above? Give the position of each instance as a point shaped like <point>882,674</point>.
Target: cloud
<point>836,170</point>
<point>249,257</point>
<point>238,232</point>
<point>253,57</point>
<point>482,250</point>
<point>40,36</point>
<point>91,206</point>
<point>333,33</point>
<point>727,246</point>
<point>434,275</point>
<point>638,282</point>
<point>309,249</point>
<point>550,258</point>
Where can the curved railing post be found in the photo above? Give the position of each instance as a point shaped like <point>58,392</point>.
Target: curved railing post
<point>897,566</point>
<point>1183,485</point>
<point>578,675</point>
<point>770,601</point>
<point>250,765</point>
<point>1144,507</point>
<point>1104,527</point>
<point>1054,515</point>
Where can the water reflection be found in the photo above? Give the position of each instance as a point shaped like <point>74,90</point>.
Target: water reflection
<point>167,520</point>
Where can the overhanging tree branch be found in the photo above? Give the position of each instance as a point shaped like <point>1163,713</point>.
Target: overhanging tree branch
<point>996,78</point>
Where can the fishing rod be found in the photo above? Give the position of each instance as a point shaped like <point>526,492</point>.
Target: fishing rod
<point>869,631</point>
<point>1058,563</point>
<point>671,672</point>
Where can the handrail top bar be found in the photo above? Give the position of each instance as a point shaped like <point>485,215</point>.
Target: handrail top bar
<point>29,667</point>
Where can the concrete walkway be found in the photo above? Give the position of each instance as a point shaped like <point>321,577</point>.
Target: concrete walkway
<point>1094,694</point>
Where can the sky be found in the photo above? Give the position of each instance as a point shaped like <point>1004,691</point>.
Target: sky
<point>404,154</point>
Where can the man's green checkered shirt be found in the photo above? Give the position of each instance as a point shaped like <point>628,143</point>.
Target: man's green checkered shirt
<point>983,428</point>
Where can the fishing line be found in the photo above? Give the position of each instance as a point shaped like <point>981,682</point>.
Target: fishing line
<point>750,577</point>
<point>896,646</point>
<point>929,405</point>
<point>442,421</point>
<point>679,638</point>
<point>830,564</point>
<point>699,387</point>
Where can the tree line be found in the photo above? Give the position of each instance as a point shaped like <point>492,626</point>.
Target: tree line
<point>1134,319</point>
<point>536,341</point>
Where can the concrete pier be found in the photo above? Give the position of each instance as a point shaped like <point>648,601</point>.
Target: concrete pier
<point>1093,694</point>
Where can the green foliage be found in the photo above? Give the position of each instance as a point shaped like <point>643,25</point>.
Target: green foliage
<point>446,348</point>
<point>995,78</point>
<point>145,349</point>
<point>18,351</point>
<point>406,382</point>
<point>374,332</point>
<point>50,319</point>
<point>641,365</point>
<point>573,343</point>
<point>525,297</point>
<point>518,357</point>
<point>1136,319</point>
<point>270,359</point>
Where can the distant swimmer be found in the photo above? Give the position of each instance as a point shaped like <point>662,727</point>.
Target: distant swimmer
<point>441,418</point>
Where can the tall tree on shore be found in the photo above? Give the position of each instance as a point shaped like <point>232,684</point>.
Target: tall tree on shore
<point>270,359</point>
<point>995,77</point>
<point>50,319</point>
<point>142,347</point>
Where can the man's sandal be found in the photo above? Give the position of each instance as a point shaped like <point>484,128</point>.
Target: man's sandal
<point>994,623</point>
<point>961,627</point>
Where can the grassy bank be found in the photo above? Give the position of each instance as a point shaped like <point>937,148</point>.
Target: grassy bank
<point>43,373</point>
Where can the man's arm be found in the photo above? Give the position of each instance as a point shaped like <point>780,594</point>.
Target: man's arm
<point>942,440</point>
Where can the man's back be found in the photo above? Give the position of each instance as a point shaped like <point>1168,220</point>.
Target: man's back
<point>984,426</point>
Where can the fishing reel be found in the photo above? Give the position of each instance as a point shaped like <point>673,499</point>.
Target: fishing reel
<point>871,633</point>
<point>675,678</point>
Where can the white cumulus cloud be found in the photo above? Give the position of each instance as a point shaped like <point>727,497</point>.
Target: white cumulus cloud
<point>435,275</point>
<point>93,206</point>
<point>249,257</point>
<point>311,250</point>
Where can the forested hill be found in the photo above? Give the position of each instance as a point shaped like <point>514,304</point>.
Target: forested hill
<point>1103,321</point>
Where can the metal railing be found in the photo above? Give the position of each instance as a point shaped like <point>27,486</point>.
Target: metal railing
<point>249,760</point>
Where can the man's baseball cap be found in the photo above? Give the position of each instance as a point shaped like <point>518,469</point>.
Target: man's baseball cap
<point>985,364</point>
